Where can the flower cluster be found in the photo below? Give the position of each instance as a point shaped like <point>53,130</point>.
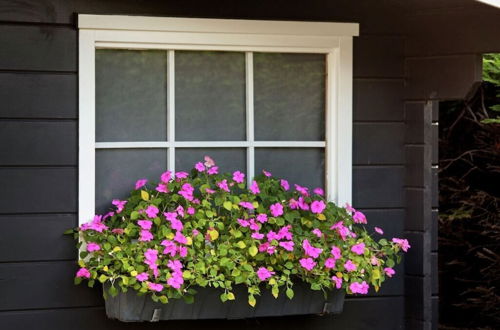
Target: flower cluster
<point>203,228</point>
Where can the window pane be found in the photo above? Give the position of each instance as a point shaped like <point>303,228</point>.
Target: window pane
<point>227,159</point>
<point>289,97</point>
<point>304,166</point>
<point>209,96</point>
<point>117,171</point>
<point>131,95</point>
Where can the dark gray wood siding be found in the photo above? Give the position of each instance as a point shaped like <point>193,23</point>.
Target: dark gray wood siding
<point>39,168</point>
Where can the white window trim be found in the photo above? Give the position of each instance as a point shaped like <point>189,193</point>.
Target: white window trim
<point>136,32</point>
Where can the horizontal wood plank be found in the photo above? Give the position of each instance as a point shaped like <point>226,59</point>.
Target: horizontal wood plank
<point>378,100</point>
<point>378,143</point>
<point>378,186</point>
<point>378,56</point>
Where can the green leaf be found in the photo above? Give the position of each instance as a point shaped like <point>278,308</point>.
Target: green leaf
<point>103,278</point>
<point>134,215</point>
<point>144,195</point>
<point>163,299</point>
<point>253,250</point>
<point>113,291</point>
<point>223,297</point>
<point>230,296</point>
<point>289,293</point>
<point>275,291</point>
<point>251,300</point>
<point>228,205</point>
<point>241,245</point>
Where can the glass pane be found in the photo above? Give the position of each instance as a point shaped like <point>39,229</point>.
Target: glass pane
<point>303,166</point>
<point>289,97</point>
<point>209,96</point>
<point>131,95</point>
<point>117,171</point>
<point>227,159</point>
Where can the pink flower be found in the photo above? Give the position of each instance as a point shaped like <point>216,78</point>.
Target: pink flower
<point>247,205</point>
<point>317,207</point>
<point>140,183</point>
<point>145,236</point>
<point>358,248</point>
<point>162,188</point>
<point>120,205</point>
<point>307,263</point>
<point>375,261</point>
<point>151,255</point>
<point>238,177</point>
<point>379,230</point>
<point>287,245</point>
<point>359,217</point>
<point>319,191</point>
<point>166,176</point>
<point>183,251</point>
<point>276,209</point>
<point>266,173</point>
<point>209,191</point>
<point>330,263</point>
<point>199,167</point>
<point>180,238</point>
<point>152,211</point>
<point>223,185</point>
<point>176,280</point>
<point>213,170</point>
<point>83,272</point>
<point>272,236</point>
<point>389,271</point>
<point>181,175</point>
<point>170,248</point>
<point>284,233</point>
<point>254,225</point>
<point>155,287</point>
<point>284,184</point>
<point>118,231</point>
<point>243,222</point>
<point>186,191</point>
<point>195,232</point>
<point>302,190</point>
<point>95,224</point>
<point>293,204</point>
<point>303,204</point>
<point>338,281</point>
<point>264,273</point>
<point>145,224</point>
<point>310,250</point>
<point>254,188</point>
<point>262,218</point>
<point>257,235</point>
<point>336,253</point>
<point>191,210</point>
<point>209,162</point>
<point>317,232</point>
<point>361,288</point>
<point>174,265</point>
<point>142,277</point>
<point>349,208</point>
<point>403,243</point>
<point>350,266</point>
<point>91,247</point>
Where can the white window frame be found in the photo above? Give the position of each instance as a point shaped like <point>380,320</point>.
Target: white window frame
<point>136,32</point>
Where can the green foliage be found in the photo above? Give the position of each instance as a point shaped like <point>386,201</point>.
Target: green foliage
<point>491,73</point>
<point>221,252</point>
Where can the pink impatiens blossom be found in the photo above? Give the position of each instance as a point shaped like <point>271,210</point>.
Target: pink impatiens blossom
<point>246,205</point>
<point>266,173</point>
<point>293,204</point>
<point>162,188</point>
<point>180,211</point>
<point>338,281</point>
<point>213,170</point>
<point>120,205</point>
<point>272,236</point>
<point>319,191</point>
<point>96,224</point>
<point>257,235</point>
<point>359,217</point>
<point>317,232</point>
<point>336,252</point>
<point>140,183</point>
<point>284,184</point>
<point>375,261</point>
<point>238,177</point>
<point>155,286</point>
<point>262,218</point>
<point>254,188</point>
<point>209,191</point>
<point>145,236</point>
<point>142,277</point>
<point>357,287</point>
<point>287,245</point>
<point>303,204</point>
<point>389,271</point>
<point>349,208</point>
<point>176,280</point>
<point>145,224</point>
<point>330,263</point>
<point>263,273</point>
<point>118,231</point>
<point>307,263</point>
<point>181,175</point>
<point>186,191</point>
<point>199,167</point>
<point>350,266</point>
<point>310,250</point>
<point>174,265</point>
<point>182,251</point>
<point>342,230</point>
<point>91,247</point>
<point>358,248</point>
<point>302,190</point>
<point>170,248</point>
<point>166,176</point>
<point>276,209</point>
<point>285,233</point>
<point>254,225</point>
<point>318,207</point>
<point>191,210</point>
<point>243,222</point>
<point>83,272</point>
<point>403,243</point>
<point>379,230</point>
<point>209,162</point>
<point>152,211</point>
<point>151,255</point>
<point>180,238</point>
<point>223,185</point>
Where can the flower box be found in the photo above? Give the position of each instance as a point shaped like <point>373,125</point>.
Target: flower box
<point>129,307</point>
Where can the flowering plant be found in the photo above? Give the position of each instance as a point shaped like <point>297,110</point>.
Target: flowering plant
<point>204,229</point>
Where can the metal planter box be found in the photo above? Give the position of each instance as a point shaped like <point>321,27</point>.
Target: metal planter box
<point>129,307</point>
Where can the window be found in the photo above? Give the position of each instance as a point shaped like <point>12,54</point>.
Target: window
<point>159,93</point>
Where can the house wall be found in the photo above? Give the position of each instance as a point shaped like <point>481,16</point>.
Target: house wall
<point>39,165</point>
<point>445,40</point>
